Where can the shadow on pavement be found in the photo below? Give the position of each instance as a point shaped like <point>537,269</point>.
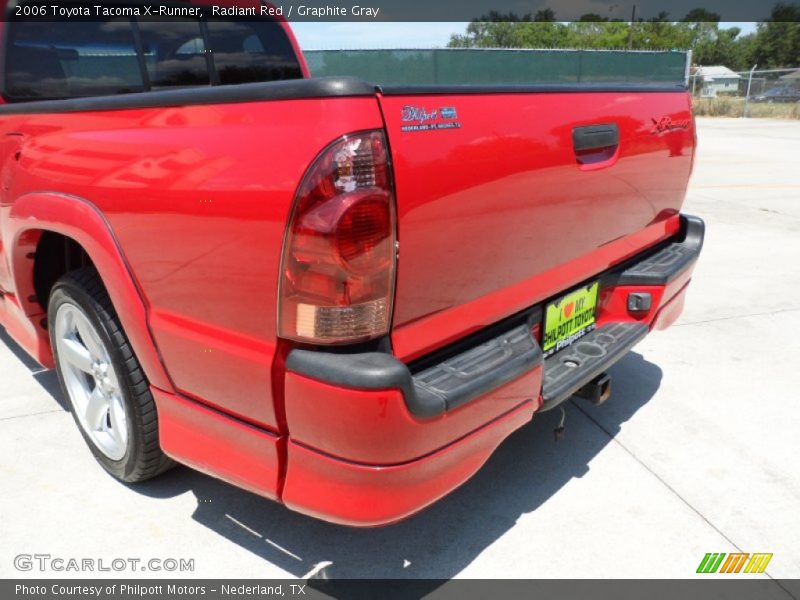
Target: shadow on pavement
<point>49,381</point>
<point>527,469</point>
<point>44,377</point>
<point>18,352</point>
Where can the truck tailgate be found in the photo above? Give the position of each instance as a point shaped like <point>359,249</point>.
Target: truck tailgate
<point>497,189</point>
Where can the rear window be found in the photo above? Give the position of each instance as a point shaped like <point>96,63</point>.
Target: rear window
<point>71,59</point>
<point>56,60</point>
<point>174,53</point>
<point>249,51</point>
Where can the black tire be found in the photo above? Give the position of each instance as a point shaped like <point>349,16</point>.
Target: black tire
<point>143,457</point>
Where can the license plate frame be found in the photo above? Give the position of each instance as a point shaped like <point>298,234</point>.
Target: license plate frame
<point>569,317</point>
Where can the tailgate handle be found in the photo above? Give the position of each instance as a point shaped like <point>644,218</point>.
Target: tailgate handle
<point>594,137</point>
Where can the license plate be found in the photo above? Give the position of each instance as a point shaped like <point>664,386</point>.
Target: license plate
<point>569,318</point>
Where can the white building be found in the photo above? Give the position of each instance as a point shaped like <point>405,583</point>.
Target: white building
<point>717,80</point>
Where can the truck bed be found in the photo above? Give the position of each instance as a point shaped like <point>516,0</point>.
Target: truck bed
<point>498,209</point>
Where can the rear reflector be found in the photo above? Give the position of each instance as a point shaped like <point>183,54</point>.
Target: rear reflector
<point>339,255</point>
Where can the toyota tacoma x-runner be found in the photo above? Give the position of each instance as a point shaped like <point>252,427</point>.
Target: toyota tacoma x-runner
<point>338,295</point>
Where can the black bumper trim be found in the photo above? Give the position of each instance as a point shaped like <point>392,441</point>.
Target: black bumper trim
<point>568,371</point>
<point>668,262</point>
<point>435,390</point>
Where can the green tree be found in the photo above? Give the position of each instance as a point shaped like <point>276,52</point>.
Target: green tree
<point>777,42</point>
<point>545,16</point>
<point>599,35</point>
<point>703,27</point>
<point>727,48</point>
<point>514,32</point>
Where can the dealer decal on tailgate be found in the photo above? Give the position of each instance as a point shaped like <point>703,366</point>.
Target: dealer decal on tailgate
<point>418,118</point>
<point>569,318</point>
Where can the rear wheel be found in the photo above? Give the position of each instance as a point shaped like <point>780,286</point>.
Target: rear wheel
<point>107,390</point>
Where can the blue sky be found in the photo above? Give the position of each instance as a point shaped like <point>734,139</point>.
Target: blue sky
<point>344,35</point>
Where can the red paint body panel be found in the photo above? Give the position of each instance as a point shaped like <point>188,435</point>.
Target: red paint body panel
<point>354,494</point>
<point>25,331</point>
<point>198,200</point>
<point>420,337</point>
<point>612,304</point>
<point>671,310</point>
<point>375,427</point>
<point>20,226</point>
<point>487,208</point>
<point>218,445</point>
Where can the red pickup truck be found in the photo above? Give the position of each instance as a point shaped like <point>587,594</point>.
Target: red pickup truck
<point>337,295</point>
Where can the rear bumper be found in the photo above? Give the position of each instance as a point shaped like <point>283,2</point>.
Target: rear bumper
<point>373,440</point>
<point>364,495</point>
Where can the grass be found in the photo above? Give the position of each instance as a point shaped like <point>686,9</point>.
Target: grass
<point>726,106</point>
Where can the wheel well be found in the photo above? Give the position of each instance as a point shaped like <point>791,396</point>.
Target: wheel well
<point>55,256</point>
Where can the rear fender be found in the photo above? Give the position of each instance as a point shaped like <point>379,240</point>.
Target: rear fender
<point>80,220</point>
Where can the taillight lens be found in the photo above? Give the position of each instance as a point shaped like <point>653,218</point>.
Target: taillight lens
<point>338,265</point>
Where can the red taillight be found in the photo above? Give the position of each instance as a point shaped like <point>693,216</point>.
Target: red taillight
<point>338,266</point>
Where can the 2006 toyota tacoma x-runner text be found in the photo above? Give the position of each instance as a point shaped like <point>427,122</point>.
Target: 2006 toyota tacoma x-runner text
<point>337,295</point>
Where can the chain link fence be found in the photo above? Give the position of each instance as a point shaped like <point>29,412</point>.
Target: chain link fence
<point>771,85</point>
<point>766,93</point>
<point>775,85</point>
